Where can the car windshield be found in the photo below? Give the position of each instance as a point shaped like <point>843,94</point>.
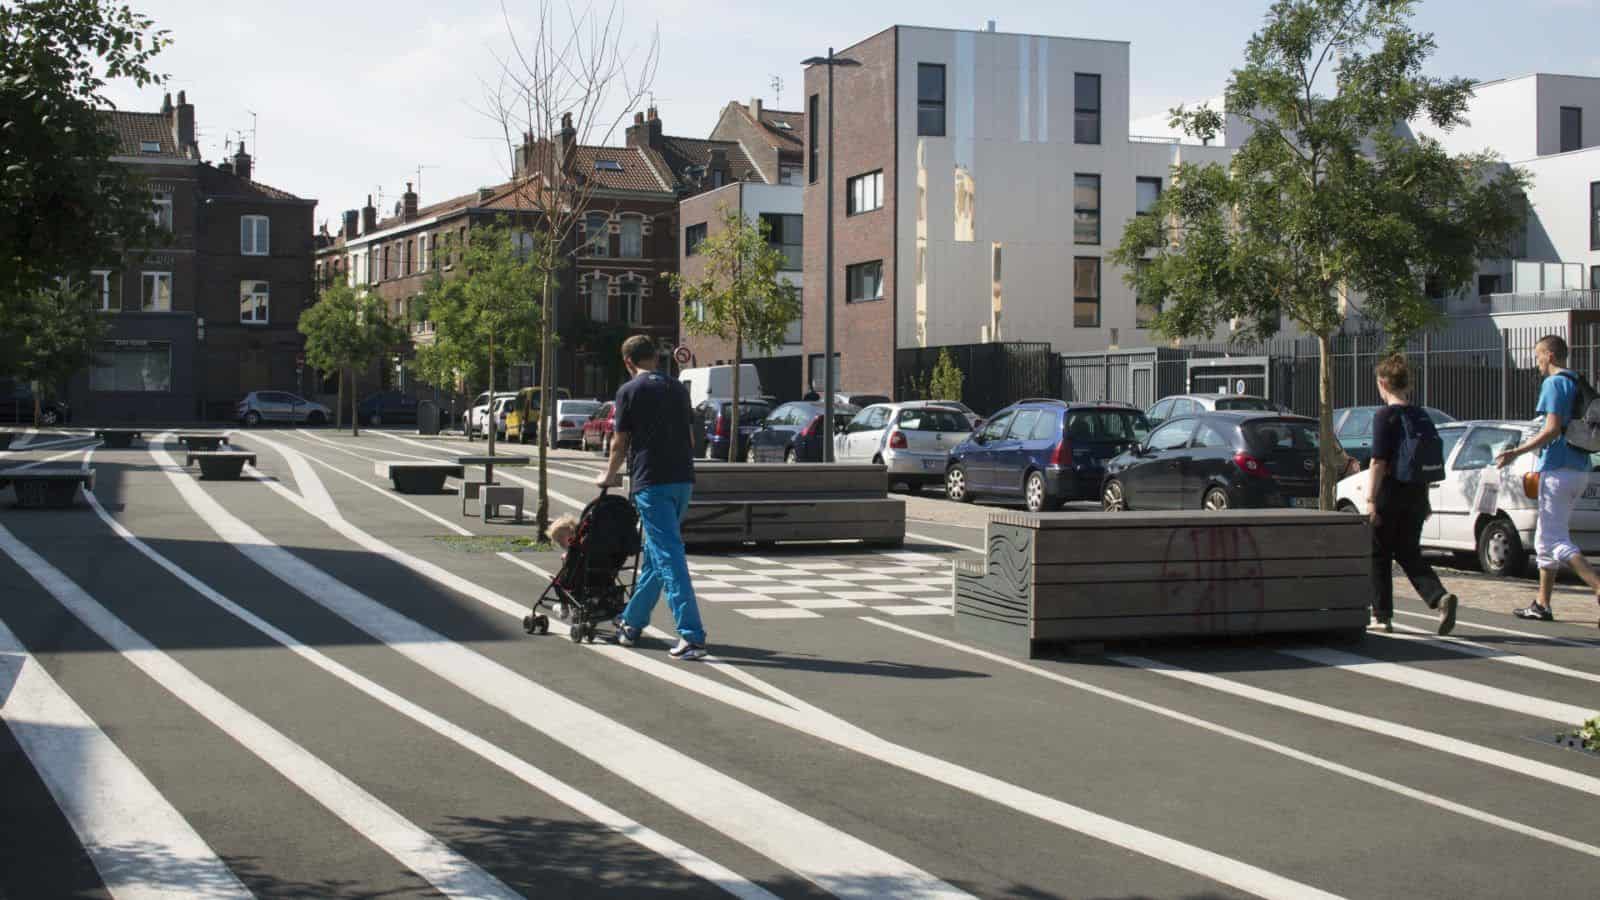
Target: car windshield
<point>1252,404</point>
<point>1279,435</point>
<point>750,411</point>
<point>933,420</point>
<point>578,407</point>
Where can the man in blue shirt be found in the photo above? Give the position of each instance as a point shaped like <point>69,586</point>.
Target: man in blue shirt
<point>651,433</point>
<point>1563,475</point>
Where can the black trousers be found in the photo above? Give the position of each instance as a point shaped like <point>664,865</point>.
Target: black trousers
<point>1396,539</point>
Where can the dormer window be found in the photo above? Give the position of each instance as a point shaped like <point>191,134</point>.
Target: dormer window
<point>149,146</point>
<point>607,165</point>
<point>785,126</point>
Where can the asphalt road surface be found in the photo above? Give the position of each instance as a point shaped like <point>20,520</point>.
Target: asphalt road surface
<point>302,684</point>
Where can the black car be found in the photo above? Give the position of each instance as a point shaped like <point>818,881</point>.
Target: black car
<point>713,418</point>
<point>1219,460</point>
<point>793,433</point>
<point>16,406</point>
<point>387,408</point>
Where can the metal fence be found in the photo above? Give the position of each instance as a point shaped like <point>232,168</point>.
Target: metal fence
<point>1487,373</point>
<point>995,374</point>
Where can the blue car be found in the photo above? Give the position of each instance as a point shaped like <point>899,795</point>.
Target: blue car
<point>1043,452</point>
<point>793,432</point>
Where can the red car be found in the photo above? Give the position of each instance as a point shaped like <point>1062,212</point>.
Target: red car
<point>597,431</point>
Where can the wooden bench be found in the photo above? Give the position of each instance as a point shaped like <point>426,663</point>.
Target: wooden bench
<point>220,465</point>
<point>118,438</point>
<point>1089,577</point>
<point>764,502</point>
<point>202,441</point>
<point>496,496</point>
<point>46,488</point>
<point>418,477</point>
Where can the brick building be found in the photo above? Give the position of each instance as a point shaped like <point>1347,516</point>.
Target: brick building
<point>195,324</point>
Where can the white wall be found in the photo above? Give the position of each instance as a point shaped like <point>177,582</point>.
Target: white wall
<point>1558,229</point>
<point>1502,116</point>
<point>1556,91</point>
<point>788,199</point>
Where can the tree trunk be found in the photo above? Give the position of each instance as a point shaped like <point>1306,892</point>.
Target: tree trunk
<point>355,415</point>
<point>338,405</point>
<point>546,401</point>
<point>494,421</point>
<point>733,407</point>
<point>38,410</point>
<point>1329,470</point>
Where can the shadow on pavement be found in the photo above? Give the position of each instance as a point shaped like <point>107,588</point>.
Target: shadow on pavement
<point>775,659</point>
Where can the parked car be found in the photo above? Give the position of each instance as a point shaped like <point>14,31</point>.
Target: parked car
<point>972,414</point>
<point>706,382</point>
<point>596,432</point>
<point>1043,452</point>
<point>16,406</point>
<point>1353,426</point>
<point>793,433</point>
<point>1179,405</point>
<point>912,440</point>
<point>280,406</point>
<point>711,425</point>
<point>522,415</point>
<point>1503,541</point>
<point>477,414</point>
<point>571,416</point>
<point>1218,460</point>
<point>387,408</point>
<point>858,399</point>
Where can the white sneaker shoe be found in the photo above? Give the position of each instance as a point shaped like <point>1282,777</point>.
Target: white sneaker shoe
<point>686,650</point>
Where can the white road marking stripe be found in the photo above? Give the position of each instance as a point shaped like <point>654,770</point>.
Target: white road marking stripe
<point>1272,746</point>
<point>120,818</point>
<point>1542,638</point>
<point>48,459</point>
<point>820,602</point>
<point>505,471</point>
<point>806,719</point>
<point>24,439</point>
<point>1433,741</point>
<point>782,612</point>
<point>297,459</point>
<point>745,578</point>
<point>942,542</point>
<point>448,871</point>
<point>827,567</point>
<point>552,465</point>
<point>784,590</point>
<point>711,567</point>
<point>534,777</point>
<point>861,576</point>
<point>865,595</point>
<point>919,609</point>
<point>821,583</point>
<point>1459,645</point>
<point>348,452</point>
<point>1449,686</point>
<point>830,858</point>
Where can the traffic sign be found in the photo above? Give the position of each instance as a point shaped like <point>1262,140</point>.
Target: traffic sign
<point>682,355</point>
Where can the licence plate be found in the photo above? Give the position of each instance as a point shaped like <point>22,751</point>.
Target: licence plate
<point>1592,492</point>
<point>930,465</point>
<point>1304,503</point>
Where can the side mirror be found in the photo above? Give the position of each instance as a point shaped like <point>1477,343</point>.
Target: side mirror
<point>978,437</point>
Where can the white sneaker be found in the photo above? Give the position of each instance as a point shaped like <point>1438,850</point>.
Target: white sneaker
<point>686,650</point>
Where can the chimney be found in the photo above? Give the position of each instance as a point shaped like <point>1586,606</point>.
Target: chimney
<point>369,217</point>
<point>409,201</point>
<point>241,163</point>
<point>181,118</point>
<point>352,217</point>
<point>484,193</point>
<point>717,168</point>
<point>166,104</point>
<point>653,123</point>
<point>990,27</point>
<point>225,167</point>
<point>638,134</point>
<point>569,140</point>
<point>755,108</point>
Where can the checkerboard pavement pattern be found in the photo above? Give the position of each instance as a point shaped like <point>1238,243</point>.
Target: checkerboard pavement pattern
<point>890,584</point>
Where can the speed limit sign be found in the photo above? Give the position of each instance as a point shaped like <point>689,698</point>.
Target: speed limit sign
<point>682,355</point>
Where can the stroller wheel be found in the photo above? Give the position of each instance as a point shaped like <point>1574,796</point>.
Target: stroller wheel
<point>542,623</point>
<point>528,624</point>
<point>577,632</point>
<point>589,633</point>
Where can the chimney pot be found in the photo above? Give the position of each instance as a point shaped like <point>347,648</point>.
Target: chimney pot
<point>408,204</point>
<point>369,217</point>
<point>651,114</point>
<point>166,103</point>
<point>755,107</point>
<point>181,100</point>
<point>638,118</point>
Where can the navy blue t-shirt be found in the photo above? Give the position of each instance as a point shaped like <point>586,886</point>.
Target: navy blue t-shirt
<point>654,411</point>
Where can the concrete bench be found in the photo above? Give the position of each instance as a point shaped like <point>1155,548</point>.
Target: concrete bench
<point>1088,577</point>
<point>418,477</point>
<point>46,488</point>
<point>202,441</point>
<point>496,496</point>
<point>762,503</point>
<point>118,438</point>
<point>220,465</point>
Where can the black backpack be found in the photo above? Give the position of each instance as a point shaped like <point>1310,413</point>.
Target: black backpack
<point>1419,459</point>
<point>1583,428</point>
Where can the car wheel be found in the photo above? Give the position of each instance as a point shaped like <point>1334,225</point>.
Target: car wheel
<point>955,485</point>
<point>316,418</point>
<point>790,457</point>
<point>1345,506</point>
<point>1215,498</point>
<point>252,419</point>
<point>1111,497</point>
<point>1500,550</point>
<point>1033,493</point>
<point>49,417</point>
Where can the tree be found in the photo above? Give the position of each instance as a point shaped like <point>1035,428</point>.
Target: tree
<point>740,296</point>
<point>66,202</point>
<point>946,380</point>
<point>347,330</point>
<point>51,335</point>
<point>1326,205</point>
<point>446,360</point>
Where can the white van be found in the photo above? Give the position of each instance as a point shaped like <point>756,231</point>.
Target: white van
<point>717,381</point>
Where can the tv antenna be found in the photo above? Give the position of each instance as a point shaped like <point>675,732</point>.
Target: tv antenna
<point>255,146</point>
<point>420,167</point>
<point>777,91</point>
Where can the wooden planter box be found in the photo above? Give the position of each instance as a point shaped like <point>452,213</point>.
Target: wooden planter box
<point>737,503</point>
<point>1090,577</point>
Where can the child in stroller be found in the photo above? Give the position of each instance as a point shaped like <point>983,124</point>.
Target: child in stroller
<point>589,588</point>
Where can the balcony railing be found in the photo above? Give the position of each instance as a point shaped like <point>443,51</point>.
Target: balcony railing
<point>1538,301</point>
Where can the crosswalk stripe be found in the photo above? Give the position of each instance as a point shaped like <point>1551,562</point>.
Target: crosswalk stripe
<point>1478,626</point>
<point>120,818</point>
<point>452,874</point>
<point>915,609</point>
<point>1449,686</point>
<point>1467,647</point>
<point>1523,766</point>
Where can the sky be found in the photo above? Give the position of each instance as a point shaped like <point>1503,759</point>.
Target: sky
<point>339,100</point>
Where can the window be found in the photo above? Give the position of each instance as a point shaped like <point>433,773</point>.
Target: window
<point>1172,435</point>
<point>785,233</point>
<point>813,148</point>
<point>254,232</point>
<point>599,303</point>
<point>522,243</point>
<point>1048,429</point>
<point>1085,108</point>
<point>1161,412</point>
<point>864,193</point>
<point>422,253</point>
<point>1207,437</point>
<point>253,297</point>
<point>631,311</point>
<point>1146,192</point>
<point>162,214</point>
<point>1022,425</point>
<point>1571,129</point>
<point>693,236</point>
<point>816,376</point>
<point>100,290</point>
<point>598,234</point>
<point>632,237</point>
<point>1086,292</point>
<point>1145,309</point>
<point>864,281</point>
<point>1479,449</point>
<point>792,334</point>
<point>930,100</point>
<point>607,165</point>
<point>132,366</point>
<point>1594,215</point>
<point>156,294</point>
<point>1086,209</point>
<point>996,429</point>
<point>149,146</point>
<point>788,174</point>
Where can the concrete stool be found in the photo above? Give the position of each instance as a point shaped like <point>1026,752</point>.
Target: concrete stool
<point>494,497</point>
<point>470,490</point>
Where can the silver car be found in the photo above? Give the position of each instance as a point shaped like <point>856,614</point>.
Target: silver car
<point>912,440</point>
<point>280,406</point>
<point>571,416</point>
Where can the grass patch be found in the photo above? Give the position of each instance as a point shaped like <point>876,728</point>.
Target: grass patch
<point>1587,737</point>
<point>492,543</point>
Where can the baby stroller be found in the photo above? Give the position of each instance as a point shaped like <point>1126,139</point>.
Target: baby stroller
<point>589,588</point>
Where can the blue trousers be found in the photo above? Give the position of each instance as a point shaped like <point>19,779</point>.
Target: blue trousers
<point>664,566</point>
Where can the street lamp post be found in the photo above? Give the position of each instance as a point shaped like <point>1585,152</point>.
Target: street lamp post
<point>828,386</point>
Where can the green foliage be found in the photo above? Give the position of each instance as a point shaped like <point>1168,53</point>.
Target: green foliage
<point>51,334</point>
<point>494,301</point>
<point>348,330</point>
<point>1589,734</point>
<point>740,297</point>
<point>946,380</point>
<point>68,207</point>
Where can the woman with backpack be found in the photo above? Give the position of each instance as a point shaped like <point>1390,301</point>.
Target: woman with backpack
<point>1407,456</point>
